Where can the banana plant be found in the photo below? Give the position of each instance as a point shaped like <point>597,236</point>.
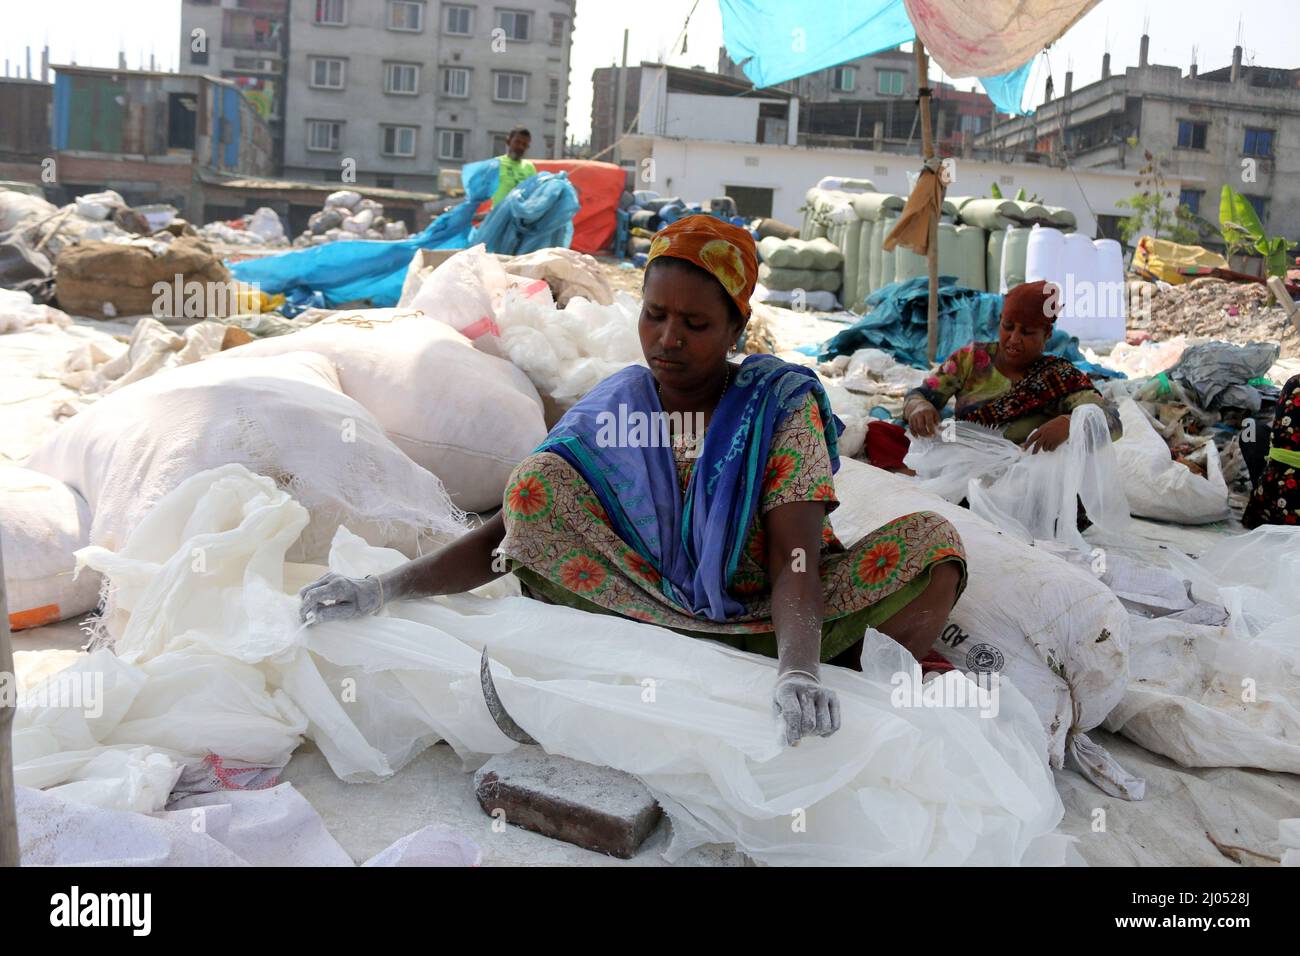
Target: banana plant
<point>1244,233</point>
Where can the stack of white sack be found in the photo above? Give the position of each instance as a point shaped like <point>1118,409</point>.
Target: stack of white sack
<point>1224,696</point>
<point>1052,629</point>
<point>260,228</point>
<point>44,523</point>
<point>812,265</point>
<point>466,416</point>
<point>347,216</point>
<point>216,662</point>
<point>283,416</point>
<point>1032,496</point>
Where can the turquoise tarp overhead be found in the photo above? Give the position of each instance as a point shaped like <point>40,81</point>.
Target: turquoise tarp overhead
<point>778,40</point>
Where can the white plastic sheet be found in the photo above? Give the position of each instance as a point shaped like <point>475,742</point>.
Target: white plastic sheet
<point>1158,487</point>
<point>1033,496</point>
<point>271,827</point>
<point>896,785</point>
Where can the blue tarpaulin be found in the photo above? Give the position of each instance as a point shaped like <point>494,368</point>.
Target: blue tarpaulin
<point>536,214</point>
<point>778,40</point>
<point>347,271</point>
<point>895,322</point>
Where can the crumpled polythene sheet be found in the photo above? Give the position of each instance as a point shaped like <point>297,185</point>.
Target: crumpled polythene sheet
<point>273,827</point>
<point>1223,696</point>
<point>894,786</point>
<point>1033,496</point>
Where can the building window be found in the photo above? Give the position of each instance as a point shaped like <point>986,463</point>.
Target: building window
<point>500,143</point>
<point>1260,203</point>
<point>971,124</point>
<point>455,82</point>
<point>199,58</point>
<point>842,78</point>
<point>456,21</point>
<point>407,15</point>
<point>559,26</point>
<point>510,87</point>
<point>889,82</point>
<point>402,78</point>
<point>399,140</point>
<point>332,13</point>
<point>1191,135</point>
<point>324,136</point>
<point>550,147</point>
<point>553,94</point>
<point>451,144</point>
<point>1259,142</point>
<point>326,73</point>
<point>516,24</point>
<point>1191,198</point>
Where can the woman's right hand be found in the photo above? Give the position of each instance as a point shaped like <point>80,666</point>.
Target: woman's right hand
<point>336,597</point>
<point>923,418</point>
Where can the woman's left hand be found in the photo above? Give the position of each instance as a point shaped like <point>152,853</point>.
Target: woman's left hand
<point>1049,436</point>
<point>805,707</point>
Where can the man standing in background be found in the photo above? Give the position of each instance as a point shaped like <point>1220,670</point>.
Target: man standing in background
<point>514,168</point>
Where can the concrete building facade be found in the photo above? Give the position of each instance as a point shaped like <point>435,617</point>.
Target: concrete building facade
<point>398,90</point>
<point>1239,126</point>
<point>391,91</point>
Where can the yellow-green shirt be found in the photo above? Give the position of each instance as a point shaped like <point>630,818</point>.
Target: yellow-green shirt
<point>512,173</point>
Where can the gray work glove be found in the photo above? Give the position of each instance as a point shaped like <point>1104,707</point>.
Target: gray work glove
<point>335,597</point>
<point>805,707</point>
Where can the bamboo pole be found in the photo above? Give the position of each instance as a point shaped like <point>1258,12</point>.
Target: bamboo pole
<point>927,152</point>
<point>8,704</point>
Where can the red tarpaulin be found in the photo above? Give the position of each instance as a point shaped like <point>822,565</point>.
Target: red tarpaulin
<point>599,186</point>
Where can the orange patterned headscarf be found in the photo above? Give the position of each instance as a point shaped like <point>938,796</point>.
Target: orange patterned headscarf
<point>724,251</point>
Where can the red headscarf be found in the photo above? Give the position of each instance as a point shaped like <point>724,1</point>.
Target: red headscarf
<point>1035,304</point>
<point>724,251</point>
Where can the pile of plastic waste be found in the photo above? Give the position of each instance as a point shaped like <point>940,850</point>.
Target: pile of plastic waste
<point>347,216</point>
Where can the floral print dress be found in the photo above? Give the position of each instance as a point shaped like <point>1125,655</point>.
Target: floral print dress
<point>562,546</point>
<point>969,376</point>
<point>1276,496</point>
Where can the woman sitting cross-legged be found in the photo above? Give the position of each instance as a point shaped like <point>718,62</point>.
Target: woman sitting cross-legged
<point>694,494</point>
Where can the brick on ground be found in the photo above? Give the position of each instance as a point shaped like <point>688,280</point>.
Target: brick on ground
<point>597,808</point>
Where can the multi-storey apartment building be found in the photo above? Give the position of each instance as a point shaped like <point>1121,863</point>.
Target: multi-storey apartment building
<point>393,91</point>
<point>1238,125</point>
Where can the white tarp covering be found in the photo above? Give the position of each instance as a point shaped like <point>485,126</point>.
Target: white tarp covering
<point>896,785</point>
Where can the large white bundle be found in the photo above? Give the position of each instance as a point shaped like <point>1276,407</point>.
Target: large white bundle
<point>464,415</point>
<point>1051,628</point>
<point>1159,487</point>
<point>896,785</point>
<point>281,416</point>
<point>44,522</point>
